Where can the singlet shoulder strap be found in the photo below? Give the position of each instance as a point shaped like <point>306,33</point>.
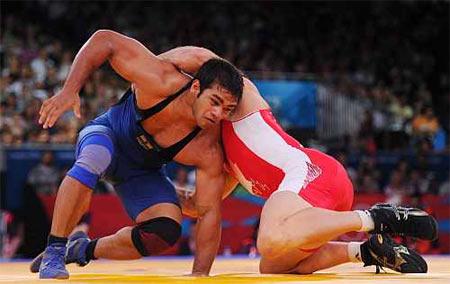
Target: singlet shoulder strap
<point>146,113</point>
<point>125,96</point>
<point>173,150</point>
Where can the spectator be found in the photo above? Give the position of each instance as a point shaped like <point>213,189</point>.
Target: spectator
<point>44,177</point>
<point>37,62</point>
<point>14,236</point>
<point>417,184</point>
<point>368,185</point>
<point>444,189</point>
<point>401,113</point>
<point>426,123</point>
<point>396,190</point>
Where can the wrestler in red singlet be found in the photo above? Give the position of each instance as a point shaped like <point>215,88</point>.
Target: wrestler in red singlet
<point>266,159</point>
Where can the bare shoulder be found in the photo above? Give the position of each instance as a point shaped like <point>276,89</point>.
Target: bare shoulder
<point>151,76</point>
<point>251,101</point>
<point>249,86</point>
<point>169,81</point>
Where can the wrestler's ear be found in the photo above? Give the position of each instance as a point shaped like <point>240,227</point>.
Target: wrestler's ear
<point>195,87</point>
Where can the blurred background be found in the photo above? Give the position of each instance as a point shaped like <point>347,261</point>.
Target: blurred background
<point>367,82</point>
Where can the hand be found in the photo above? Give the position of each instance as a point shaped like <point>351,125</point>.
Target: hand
<point>186,196</point>
<point>55,106</point>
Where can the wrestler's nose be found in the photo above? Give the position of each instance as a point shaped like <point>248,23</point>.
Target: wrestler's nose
<point>217,113</point>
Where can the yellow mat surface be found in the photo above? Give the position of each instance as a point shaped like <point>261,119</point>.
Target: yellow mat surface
<point>172,270</point>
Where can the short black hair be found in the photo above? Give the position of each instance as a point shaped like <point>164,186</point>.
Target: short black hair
<point>223,73</point>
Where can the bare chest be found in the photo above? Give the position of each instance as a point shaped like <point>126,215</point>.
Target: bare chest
<point>192,153</point>
<point>165,128</point>
<point>166,131</point>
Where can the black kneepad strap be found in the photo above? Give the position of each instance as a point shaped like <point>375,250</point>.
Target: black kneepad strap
<point>156,235</point>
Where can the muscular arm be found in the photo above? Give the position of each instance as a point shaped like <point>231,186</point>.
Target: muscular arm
<point>188,58</point>
<point>129,58</point>
<point>191,58</point>
<point>209,184</point>
<point>188,202</point>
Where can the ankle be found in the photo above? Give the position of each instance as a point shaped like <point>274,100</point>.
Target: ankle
<point>354,251</point>
<point>366,257</point>
<point>90,250</point>
<point>367,223</point>
<point>56,241</point>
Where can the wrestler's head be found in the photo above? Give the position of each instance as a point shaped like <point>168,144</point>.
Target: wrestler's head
<point>218,88</point>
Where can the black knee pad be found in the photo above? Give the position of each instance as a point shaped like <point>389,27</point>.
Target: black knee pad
<point>154,236</point>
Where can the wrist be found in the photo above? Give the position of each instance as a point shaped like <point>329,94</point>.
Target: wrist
<point>199,273</point>
<point>70,89</point>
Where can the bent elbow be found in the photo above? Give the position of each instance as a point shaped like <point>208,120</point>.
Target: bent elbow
<point>204,54</point>
<point>102,33</point>
<point>104,38</point>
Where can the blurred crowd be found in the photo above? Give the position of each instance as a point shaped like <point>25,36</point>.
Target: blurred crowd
<point>388,52</point>
<point>380,52</point>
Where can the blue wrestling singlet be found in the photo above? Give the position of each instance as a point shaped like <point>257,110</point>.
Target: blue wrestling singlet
<point>116,147</point>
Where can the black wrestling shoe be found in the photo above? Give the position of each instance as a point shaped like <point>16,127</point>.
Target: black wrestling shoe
<point>403,221</point>
<point>381,251</point>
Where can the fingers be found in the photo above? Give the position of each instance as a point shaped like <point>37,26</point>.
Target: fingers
<point>44,104</point>
<point>53,116</point>
<point>46,107</point>
<point>49,113</point>
<point>52,109</point>
<point>43,111</point>
<point>76,110</point>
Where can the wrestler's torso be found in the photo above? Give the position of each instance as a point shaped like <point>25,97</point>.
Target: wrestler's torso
<point>260,155</point>
<point>166,127</point>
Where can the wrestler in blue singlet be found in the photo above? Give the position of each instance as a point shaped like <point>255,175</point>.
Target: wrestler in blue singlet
<point>116,147</point>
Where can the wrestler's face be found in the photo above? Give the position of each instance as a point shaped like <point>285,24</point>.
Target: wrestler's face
<point>212,105</point>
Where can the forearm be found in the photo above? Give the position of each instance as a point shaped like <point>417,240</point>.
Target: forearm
<point>188,202</point>
<point>91,55</point>
<point>207,240</point>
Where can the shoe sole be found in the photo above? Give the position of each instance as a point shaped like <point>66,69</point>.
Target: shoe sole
<point>56,277</point>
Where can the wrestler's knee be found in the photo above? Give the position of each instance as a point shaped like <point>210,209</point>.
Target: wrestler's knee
<point>304,269</point>
<point>155,236</point>
<point>266,267</point>
<point>278,239</point>
<point>93,159</point>
<point>286,264</point>
<point>271,243</point>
